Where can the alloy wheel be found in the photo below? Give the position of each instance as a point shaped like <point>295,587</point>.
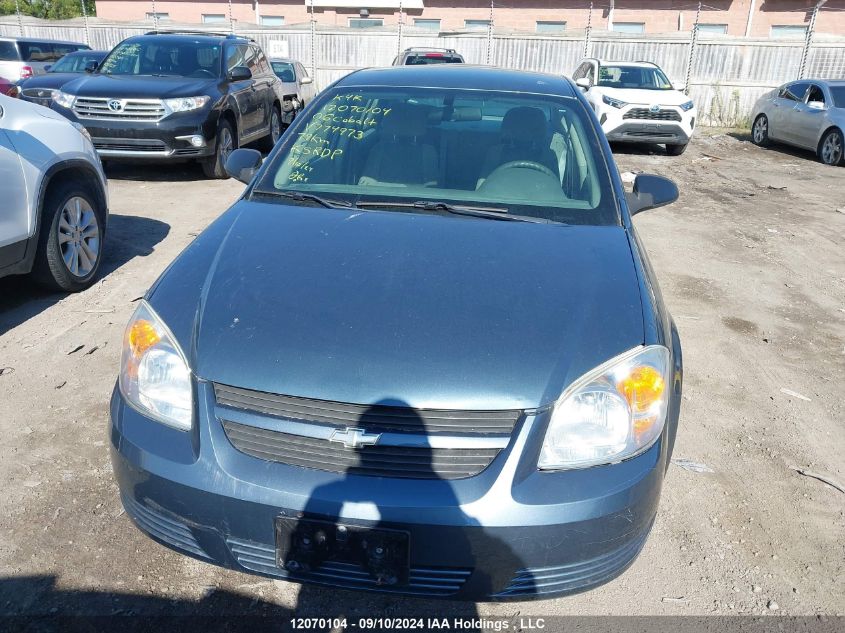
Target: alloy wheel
<point>832,148</point>
<point>275,127</point>
<point>226,144</point>
<point>79,236</point>
<point>761,127</point>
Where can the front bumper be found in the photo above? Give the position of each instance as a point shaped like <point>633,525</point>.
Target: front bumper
<point>166,139</point>
<point>620,126</point>
<point>510,532</point>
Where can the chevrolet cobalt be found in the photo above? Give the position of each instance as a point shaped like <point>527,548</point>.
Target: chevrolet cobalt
<point>424,353</point>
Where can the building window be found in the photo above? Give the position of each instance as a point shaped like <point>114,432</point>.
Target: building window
<point>629,27</point>
<point>213,18</point>
<point>272,20</point>
<point>550,27</point>
<point>365,23</point>
<point>789,31</point>
<point>158,16</point>
<point>713,28</point>
<point>430,25</point>
<point>476,25</point>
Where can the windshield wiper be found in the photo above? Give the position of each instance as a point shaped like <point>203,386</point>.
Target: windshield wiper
<point>493,213</point>
<point>302,197</point>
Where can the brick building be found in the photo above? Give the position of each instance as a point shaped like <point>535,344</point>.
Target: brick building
<point>755,18</point>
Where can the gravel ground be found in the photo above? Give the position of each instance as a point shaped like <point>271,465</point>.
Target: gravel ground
<point>752,267</point>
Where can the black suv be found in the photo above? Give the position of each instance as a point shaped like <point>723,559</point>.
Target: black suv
<point>172,96</point>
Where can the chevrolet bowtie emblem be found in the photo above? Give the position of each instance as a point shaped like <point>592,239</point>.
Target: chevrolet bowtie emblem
<point>352,437</point>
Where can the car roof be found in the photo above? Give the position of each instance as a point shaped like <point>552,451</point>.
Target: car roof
<point>191,36</point>
<point>461,76</point>
<point>621,62</point>
<point>7,38</point>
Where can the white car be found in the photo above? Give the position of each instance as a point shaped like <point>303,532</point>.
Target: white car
<point>54,198</point>
<point>636,103</point>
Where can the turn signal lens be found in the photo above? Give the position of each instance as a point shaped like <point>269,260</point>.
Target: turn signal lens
<point>142,336</point>
<point>614,412</point>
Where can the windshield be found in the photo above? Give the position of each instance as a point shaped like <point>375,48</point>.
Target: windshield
<point>838,93</point>
<point>284,71</point>
<point>642,77</point>
<point>74,63</point>
<point>163,57</point>
<point>523,154</point>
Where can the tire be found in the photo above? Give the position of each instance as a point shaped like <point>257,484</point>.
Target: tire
<point>676,150</point>
<point>269,141</point>
<point>832,148</point>
<point>225,141</point>
<point>72,231</point>
<point>760,131</point>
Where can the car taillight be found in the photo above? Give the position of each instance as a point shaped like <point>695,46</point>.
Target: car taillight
<point>26,72</point>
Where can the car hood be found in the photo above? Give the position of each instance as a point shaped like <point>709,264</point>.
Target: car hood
<point>49,81</point>
<point>138,86</point>
<point>647,97</point>
<point>433,311</point>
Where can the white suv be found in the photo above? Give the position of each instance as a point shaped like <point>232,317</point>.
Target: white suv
<point>636,103</point>
<point>54,203</point>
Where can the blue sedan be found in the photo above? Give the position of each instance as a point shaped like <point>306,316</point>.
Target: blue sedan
<point>424,353</point>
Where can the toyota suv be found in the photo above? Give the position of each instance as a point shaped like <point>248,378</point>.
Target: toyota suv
<point>176,96</point>
<point>636,103</point>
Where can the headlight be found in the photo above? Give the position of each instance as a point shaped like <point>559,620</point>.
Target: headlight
<point>154,375</point>
<point>616,103</point>
<point>686,107</point>
<point>185,104</point>
<point>64,99</point>
<point>81,129</point>
<point>614,412</point>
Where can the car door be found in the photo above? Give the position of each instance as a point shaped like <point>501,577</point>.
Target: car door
<point>242,92</point>
<point>781,121</point>
<point>14,204</point>
<point>264,83</point>
<point>808,117</point>
<point>306,88</point>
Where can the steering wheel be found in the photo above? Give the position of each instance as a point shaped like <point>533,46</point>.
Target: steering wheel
<point>522,164</point>
<point>202,72</point>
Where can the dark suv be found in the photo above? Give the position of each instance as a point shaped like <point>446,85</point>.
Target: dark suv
<point>172,96</point>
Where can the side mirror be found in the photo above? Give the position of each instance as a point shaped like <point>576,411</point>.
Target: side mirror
<point>91,66</point>
<point>306,80</point>
<point>243,164</point>
<point>583,83</point>
<point>651,192</point>
<point>240,73</point>
<point>815,105</point>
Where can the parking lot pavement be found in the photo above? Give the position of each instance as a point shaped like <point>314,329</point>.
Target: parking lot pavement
<point>752,267</point>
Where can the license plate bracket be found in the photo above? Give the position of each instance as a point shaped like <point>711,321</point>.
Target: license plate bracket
<point>303,545</point>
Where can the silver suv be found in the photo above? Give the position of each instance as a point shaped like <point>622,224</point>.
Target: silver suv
<point>54,201</point>
<point>23,57</point>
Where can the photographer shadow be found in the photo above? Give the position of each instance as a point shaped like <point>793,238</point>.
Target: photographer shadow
<point>383,484</point>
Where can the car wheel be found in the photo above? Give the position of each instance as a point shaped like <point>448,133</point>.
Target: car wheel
<point>215,167</point>
<point>832,148</point>
<point>269,141</point>
<point>70,246</point>
<point>760,131</point>
<point>676,150</point>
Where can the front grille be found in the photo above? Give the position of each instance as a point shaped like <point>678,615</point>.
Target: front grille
<point>648,115</point>
<point>375,418</point>
<point>381,461</point>
<point>132,109</point>
<point>651,134</point>
<point>38,93</point>
<point>426,581</point>
<point>130,145</point>
<point>163,528</point>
